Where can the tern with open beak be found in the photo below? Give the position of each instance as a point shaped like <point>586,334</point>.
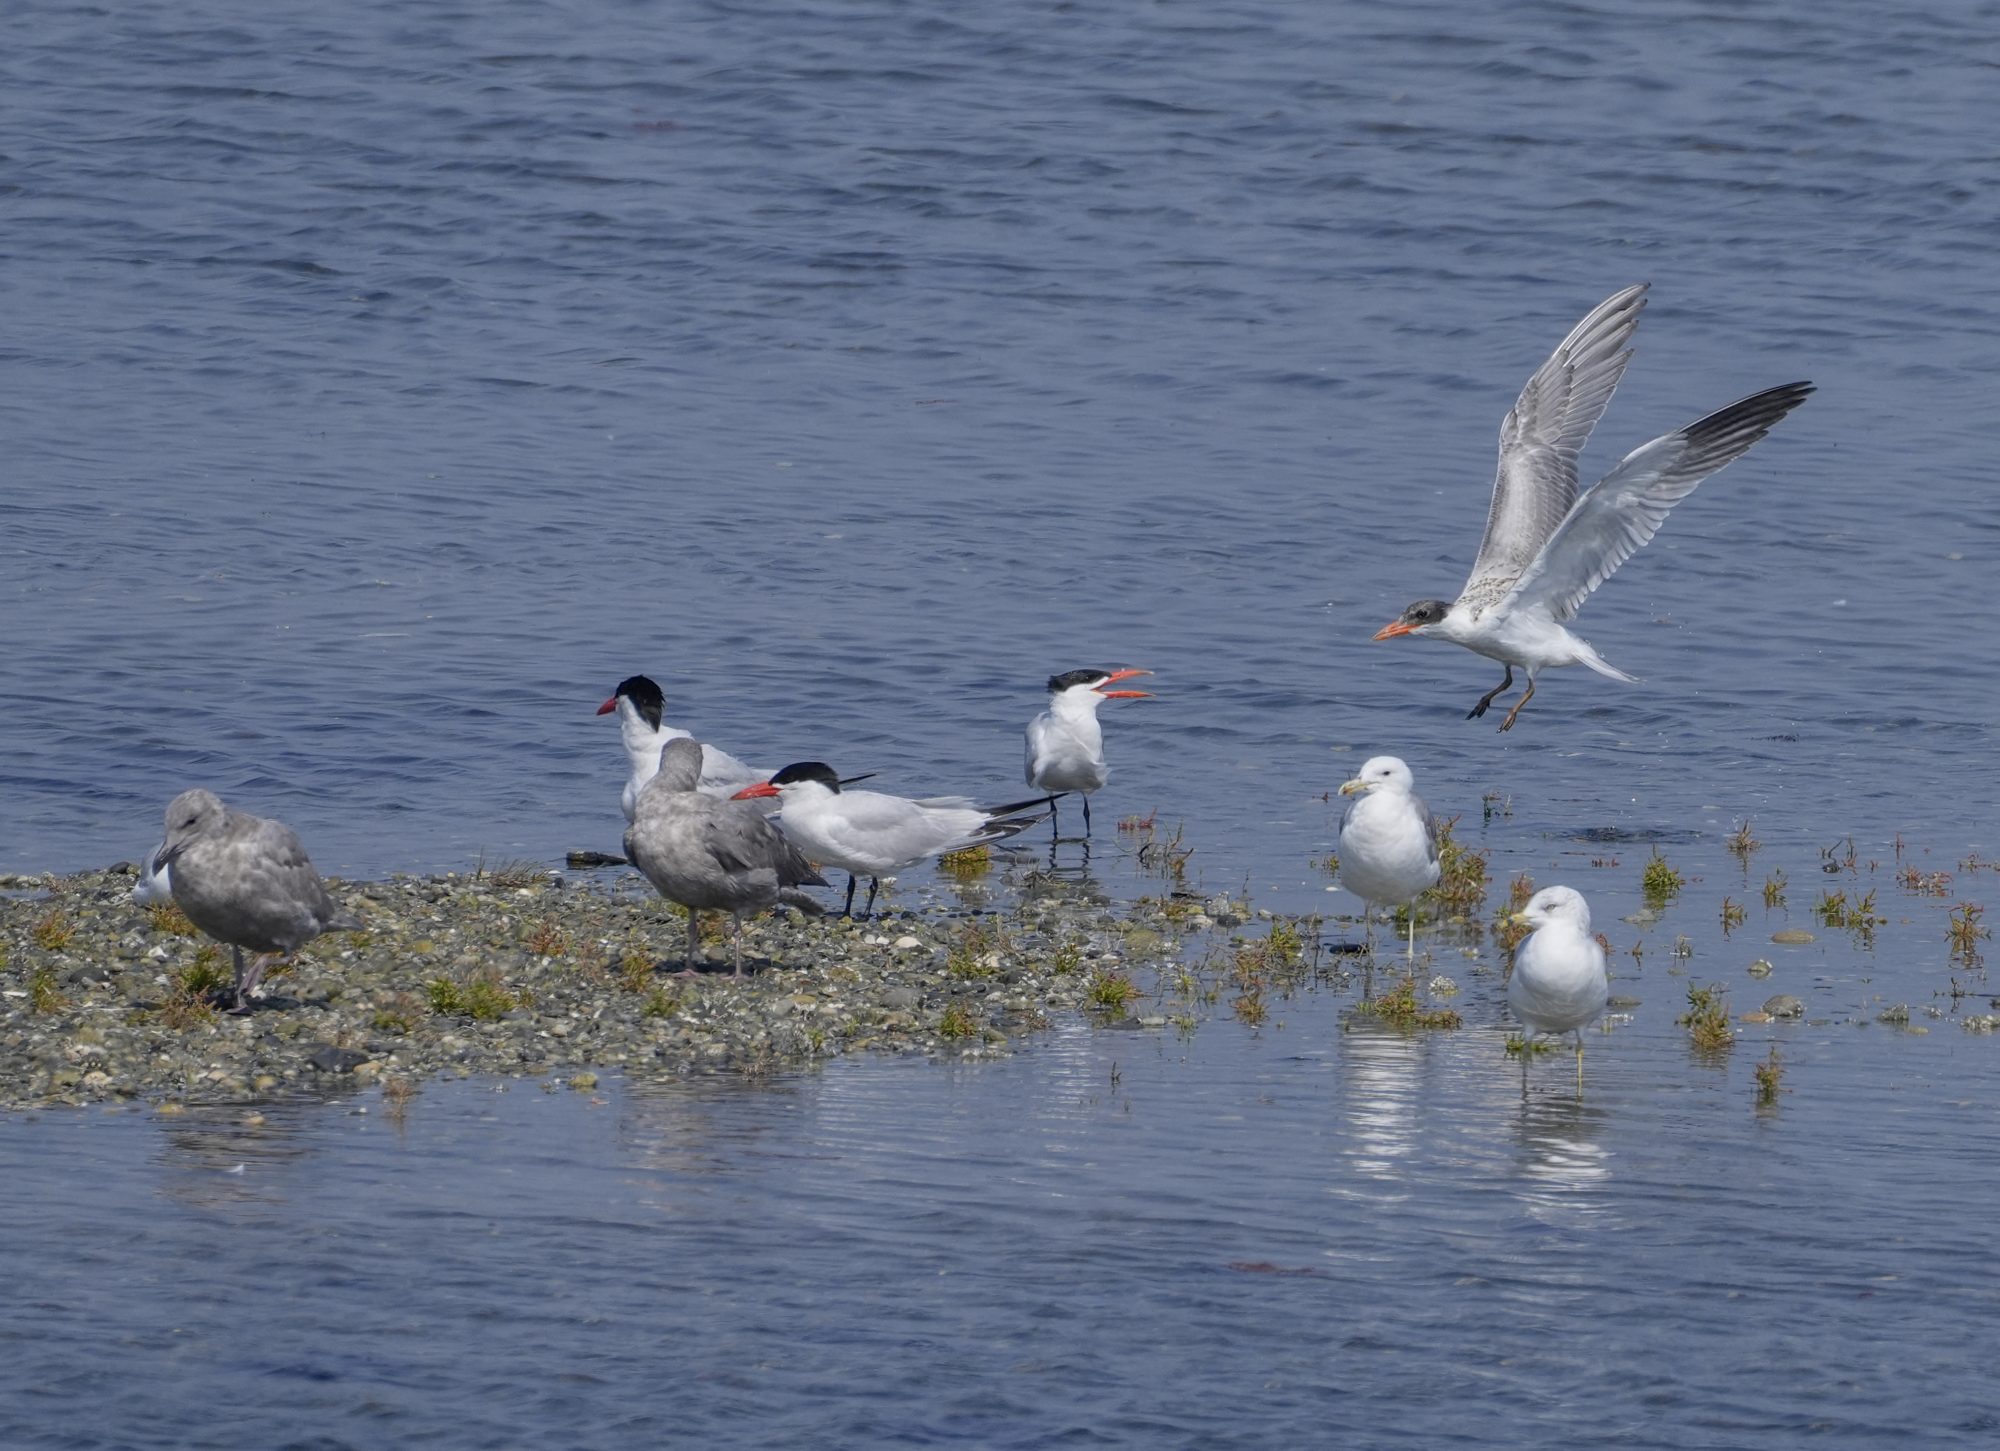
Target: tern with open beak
<point>1388,840</point>
<point>1545,549</point>
<point>1066,743</point>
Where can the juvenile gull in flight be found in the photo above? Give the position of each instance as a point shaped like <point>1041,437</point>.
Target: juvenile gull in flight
<point>1545,549</point>
<point>247,881</point>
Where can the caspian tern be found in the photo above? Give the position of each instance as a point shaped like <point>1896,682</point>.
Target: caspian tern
<point>1388,840</point>
<point>1558,984</point>
<point>1545,549</point>
<point>1065,742</point>
<point>711,855</point>
<point>875,834</point>
<point>639,704</point>
<point>247,881</point>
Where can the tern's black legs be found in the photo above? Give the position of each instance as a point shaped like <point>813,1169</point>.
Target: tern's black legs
<point>848,910</point>
<point>1487,699</point>
<point>873,883</point>
<point>1526,696</point>
<point>1086,814</point>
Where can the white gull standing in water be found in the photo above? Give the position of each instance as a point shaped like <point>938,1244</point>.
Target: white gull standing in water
<point>1388,840</point>
<point>1559,983</point>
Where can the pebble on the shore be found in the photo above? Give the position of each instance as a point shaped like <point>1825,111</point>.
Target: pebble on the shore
<point>521,974</point>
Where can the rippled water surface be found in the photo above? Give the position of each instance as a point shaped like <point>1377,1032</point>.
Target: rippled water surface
<point>383,382</point>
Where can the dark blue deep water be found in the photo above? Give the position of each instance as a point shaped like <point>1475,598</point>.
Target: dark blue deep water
<point>382,382</point>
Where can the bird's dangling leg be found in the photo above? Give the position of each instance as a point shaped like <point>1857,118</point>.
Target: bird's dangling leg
<point>1526,696</point>
<point>1487,699</point>
<point>868,911</point>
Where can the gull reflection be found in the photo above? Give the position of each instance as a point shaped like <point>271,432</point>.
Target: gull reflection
<point>1563,1163</point>
<point>1380,1098</point>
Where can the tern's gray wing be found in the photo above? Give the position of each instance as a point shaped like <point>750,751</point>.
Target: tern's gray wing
<point>1540,438</point>
<point>722,773</point>
<point>1629,505</point>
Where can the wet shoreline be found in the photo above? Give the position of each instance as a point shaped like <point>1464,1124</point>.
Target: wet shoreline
<point>526,972</point>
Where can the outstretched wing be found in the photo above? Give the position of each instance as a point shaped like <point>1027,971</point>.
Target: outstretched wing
<point>1627,508</point>
<point>1540,439</point>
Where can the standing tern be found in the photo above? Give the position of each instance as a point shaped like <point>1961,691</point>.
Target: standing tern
<point>1388,840</point>
<point>711,855</point>
<point>1066,743</point>
<point>640,704</point>
<point>1559,984</point>
<point>1545,549</point>
<point>875,834</point>
<point>247,881</point>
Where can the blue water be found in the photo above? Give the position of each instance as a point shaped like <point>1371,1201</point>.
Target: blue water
<point>382,383</point>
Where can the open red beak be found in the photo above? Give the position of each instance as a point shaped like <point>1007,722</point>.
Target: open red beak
<point>762,788</point>
<point>1391,630</point>
<point>608,706</point>
<point>1118,675</point>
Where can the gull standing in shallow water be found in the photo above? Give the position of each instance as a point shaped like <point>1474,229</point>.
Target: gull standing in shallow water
<point>1559,983</point>
<point>712,855</point>
<point>1065,742</point>
<point>247,881</point>
<point>1388,840</point>
<point>875,833</point>
<point>1545,549</point>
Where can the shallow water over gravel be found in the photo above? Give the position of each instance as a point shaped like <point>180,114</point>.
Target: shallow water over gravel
<point>1125,1238</point>
<point>381,384</point>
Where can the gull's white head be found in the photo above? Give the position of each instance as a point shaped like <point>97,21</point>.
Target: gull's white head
<point>1381,773</point>
<point>1556,904</point>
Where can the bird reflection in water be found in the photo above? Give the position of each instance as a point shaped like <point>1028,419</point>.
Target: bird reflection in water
<point>1564,1166</point>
